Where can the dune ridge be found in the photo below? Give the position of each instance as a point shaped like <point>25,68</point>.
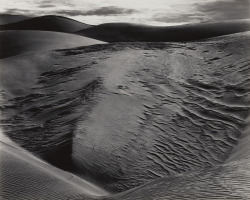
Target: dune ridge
<point>20,42</point>
<point>126,32</point>
<point>7,18</point>
<point>47,23</point>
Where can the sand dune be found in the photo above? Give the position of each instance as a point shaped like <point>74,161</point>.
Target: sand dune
<point>47,23</point>
<point>6,18</point>
<point>20,42</point>
<point>228,181</point>
<point>125,32</point>
<point>25,177</point>
<point>122,115</point>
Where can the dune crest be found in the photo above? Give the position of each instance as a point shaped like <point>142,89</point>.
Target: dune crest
<point>125,32</point>
<point>7,19</point>
<point>22,42</point>
<point>47,23</point>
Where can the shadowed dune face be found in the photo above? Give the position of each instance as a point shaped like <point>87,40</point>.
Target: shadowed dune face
<point>130,113</point>
<point>20,42</point>
<point>25,177</point>
<point>124,32</point>
<point>47,23</point>
<point>6,18</point>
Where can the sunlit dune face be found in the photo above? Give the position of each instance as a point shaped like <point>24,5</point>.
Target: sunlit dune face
<point>154,12</point>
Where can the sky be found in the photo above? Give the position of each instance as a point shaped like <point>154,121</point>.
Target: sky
<point>151,12</point>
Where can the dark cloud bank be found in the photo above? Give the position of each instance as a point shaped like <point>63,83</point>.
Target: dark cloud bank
<point>47,6</point>
<point>227,10</point>
<point>215,11</point>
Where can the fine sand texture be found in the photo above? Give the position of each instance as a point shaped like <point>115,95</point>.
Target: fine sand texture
<point>47,23</point>
<point>21,42</point>
<point>140,120</point>
<point>23,176</point>
<point>125,32</point>
<point>228,181</point>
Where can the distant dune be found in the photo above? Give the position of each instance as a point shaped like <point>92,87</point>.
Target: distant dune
<point>125,32</point>
<point>47,23</point>
<point>6,18</point>
<point>20,42</point>
<point>128,32</point>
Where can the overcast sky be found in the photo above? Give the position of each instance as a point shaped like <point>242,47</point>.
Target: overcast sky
<point>154,12</point>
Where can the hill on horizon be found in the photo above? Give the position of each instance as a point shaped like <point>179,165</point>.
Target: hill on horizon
<point>9,18</point>
<point>47,23</point>
<point>25,41</point>
<point>127,32</point>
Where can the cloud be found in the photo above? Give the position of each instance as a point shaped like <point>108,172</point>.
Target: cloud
<point>182,18</point>
<point>14,11</point>
<point>219,10</point>
<point>46,1</point>
<point>103,11</point>
<point>226,9</point>
<point>46,6</point>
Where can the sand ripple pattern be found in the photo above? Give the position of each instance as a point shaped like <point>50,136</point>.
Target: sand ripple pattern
<point>126,114</point>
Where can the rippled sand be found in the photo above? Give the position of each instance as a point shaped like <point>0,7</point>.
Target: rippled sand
<point>126,114</point>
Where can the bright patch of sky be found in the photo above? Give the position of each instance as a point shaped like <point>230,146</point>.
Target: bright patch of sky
<point>152,12</point>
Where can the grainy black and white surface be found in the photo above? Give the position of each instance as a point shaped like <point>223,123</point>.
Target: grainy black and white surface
<point>133,119</point>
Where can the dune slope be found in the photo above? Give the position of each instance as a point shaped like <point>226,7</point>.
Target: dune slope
<point>25,177</point>
<point>47,23</point>
<point>124,32</point>
<point>124,114</point>
<point>7,18</point>
<point>20,42</point>
<point>228,181</point>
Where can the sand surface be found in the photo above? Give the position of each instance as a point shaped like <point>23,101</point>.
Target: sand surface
<point>123,115</point>
<point>23,176</point>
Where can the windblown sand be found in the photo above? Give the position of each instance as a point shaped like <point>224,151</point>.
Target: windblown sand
<point>157,120</point>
